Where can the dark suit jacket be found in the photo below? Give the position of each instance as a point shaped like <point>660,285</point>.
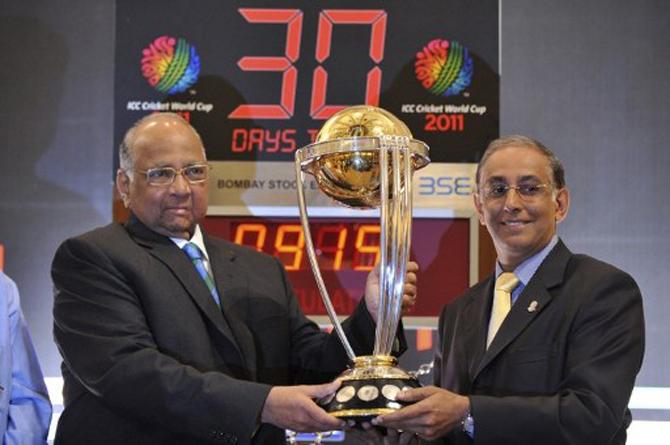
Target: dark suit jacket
<point>561,374</point>
<point>149,358</point>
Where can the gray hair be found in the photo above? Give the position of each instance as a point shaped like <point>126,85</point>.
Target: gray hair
<point>557,170</point>
<point>126,160</point>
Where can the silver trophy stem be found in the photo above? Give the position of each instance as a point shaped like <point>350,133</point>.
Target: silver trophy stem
<point>395,221</point>
<point>383,243</point>
<point>311,254</point>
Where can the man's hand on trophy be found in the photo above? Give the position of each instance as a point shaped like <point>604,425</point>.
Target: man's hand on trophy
<point>408,298</point>
<point>409,294</point>
<point>435,413</point>
<point>293,407</point>
<point>370,435</point>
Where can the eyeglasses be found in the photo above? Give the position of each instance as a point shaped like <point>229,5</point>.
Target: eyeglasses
<point>525,191</point>
<point>163,176</point>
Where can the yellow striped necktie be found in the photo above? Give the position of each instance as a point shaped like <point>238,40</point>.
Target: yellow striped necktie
<point>502,303</point>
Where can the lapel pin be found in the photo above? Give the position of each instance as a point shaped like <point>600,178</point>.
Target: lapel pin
<point>532,307</point>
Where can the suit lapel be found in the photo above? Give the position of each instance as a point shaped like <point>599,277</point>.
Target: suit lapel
<point>532,301</point>
<point>478,310</point>
<point>516,321</point>
<point>231,281</point>
<point>167,252</point>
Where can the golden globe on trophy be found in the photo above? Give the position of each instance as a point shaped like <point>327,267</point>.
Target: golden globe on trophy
<point>364,158</point>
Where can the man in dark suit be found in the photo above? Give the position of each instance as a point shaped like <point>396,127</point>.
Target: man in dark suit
<point>168,346</point>
<point>558,366</point>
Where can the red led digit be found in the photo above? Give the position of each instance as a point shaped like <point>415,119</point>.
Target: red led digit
<point>290,242</point>
<point>424,339</point>
<point>373,86</point>
<point>257,230</point>
<point>293,19</point>
<point>367,253</point>
<point>377,19</point>
<point>324,243</point>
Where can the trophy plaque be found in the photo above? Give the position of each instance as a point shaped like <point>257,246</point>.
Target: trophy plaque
<point>364,158</point>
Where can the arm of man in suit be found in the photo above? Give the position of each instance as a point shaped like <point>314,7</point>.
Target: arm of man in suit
<point>437,412</point>
<point>106,342</point>
<point>294,407</point>
<point>603,356</point>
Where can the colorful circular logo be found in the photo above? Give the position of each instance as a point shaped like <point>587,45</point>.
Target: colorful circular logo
<point>444,67</point>
<point>170,64</point>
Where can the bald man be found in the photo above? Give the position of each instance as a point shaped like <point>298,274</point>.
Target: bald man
<point>170,336</point>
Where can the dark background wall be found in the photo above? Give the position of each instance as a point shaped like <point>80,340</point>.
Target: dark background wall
<point>587,78</point>
<point>56,94</point>
<point>590,80</point>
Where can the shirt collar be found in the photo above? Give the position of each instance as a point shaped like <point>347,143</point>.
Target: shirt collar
<point>196,239</point>
<point>525,271</point>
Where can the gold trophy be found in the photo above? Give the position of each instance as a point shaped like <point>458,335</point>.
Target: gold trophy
<point>364,158</point>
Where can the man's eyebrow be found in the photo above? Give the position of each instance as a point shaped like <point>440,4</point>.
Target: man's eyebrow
<point>520,179</point>
<point>159,165</point>
<point>188,164</point>
<point>529,178</point>
<point>496,179</point>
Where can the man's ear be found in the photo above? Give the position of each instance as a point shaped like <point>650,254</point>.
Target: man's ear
<point>123,186</point>
<point>562,201</point>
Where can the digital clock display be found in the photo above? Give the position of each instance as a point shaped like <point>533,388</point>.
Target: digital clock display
<point>264,76</point>
<point>348,249</point>
<point>258,80</point>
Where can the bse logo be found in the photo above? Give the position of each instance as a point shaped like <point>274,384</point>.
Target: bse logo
<point>170,65</point>
<point>445,185</point>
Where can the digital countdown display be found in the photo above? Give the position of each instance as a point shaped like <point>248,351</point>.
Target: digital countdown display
<point>348,248</point>
<point>258,81</point>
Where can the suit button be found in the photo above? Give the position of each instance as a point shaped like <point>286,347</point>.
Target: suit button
<point>218,435</point>
<point>230,438</point>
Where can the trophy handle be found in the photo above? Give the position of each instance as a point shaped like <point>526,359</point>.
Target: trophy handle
<point>311,254</point>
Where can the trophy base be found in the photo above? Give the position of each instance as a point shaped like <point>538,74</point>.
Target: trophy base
<point>369,389</point>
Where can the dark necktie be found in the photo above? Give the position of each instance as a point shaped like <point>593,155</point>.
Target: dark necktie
<point>195,254</point>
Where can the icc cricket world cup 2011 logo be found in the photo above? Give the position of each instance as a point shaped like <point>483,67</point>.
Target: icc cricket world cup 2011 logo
<point>444,67</point>
<point>171,65</point>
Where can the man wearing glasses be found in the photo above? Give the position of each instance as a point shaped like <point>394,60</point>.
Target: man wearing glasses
<point>545,351</point>
<point>169,336</point>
